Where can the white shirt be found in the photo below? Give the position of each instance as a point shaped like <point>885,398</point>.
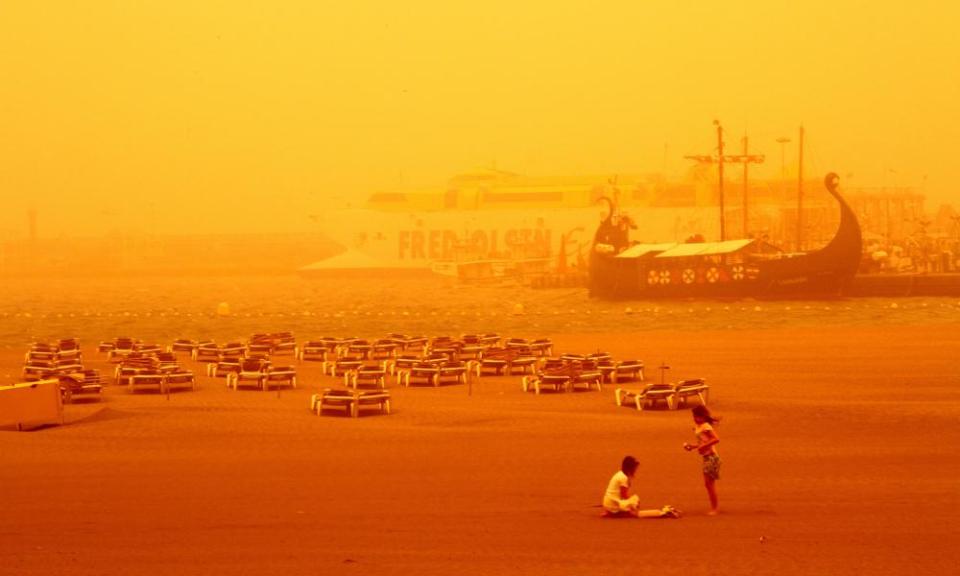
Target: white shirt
<point>619,480</point>
<point>702,437</point>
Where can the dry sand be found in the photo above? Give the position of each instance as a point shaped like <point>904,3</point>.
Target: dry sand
<point>839,448</point>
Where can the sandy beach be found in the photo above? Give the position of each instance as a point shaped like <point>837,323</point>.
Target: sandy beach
<point>839,450</point>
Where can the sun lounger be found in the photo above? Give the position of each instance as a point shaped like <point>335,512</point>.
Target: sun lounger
<point>120,349</point>
<point>223,368</point>
<point>341,366</point>
<point>383,350</point>
<point>494,361</point>
<point>82,383</point>
<point>648,397</point>
<point>446,353</point>
<point>180,379</point>
<point>359,349</point>
<point>183,345</point>
<point>122,344</point>
<point>452,373</point>
<point>122,374</point>
<point>488,366</point>
<point>332,399</point>
<point>402,362</point>
<point>607,369</point>
<point>405,342</point>
<point>38,371</point>
<point>259,348</point>
<point>522,359</point>
<point>551,364</point>
<point>376,400</point>
<point>350,401</point>
<point>166,362</point>
<point>331,343</point>
<point>147,349</point>
<point>685,389</point>
<point>277,376</point>
<point>544,381</point>
<point>587,380</point>
<point>422,373</point>
<point>598,357</point>
<point>209,352</point>
<point>72,356</point>
<point>233,350</point>
<point>490,339</point>
<point>374,376</point>
<point>542,347</point>
<point>313,351</point>
<point>147,380</point>
<point>628,370</point>
<point>37,355</point>
<point>470,352</point>
<point>284,348</point>
<point>250,372</point>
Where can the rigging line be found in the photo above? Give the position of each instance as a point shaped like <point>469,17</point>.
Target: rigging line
<point>815,164</point>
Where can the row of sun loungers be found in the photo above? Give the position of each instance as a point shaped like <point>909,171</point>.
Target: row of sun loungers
<point>357,374</point>
<point>363,366</point>
<point>672,395</point>
<point>467,347</point>
<point>162,382</point>
<point>147,366</point>
<point>563,380</point>
<point>61,360</point>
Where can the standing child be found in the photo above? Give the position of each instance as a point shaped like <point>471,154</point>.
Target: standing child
<point>707,441</point>
<point>617,500</point>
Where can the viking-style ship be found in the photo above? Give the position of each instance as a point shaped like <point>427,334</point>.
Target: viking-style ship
<point>731,268</point>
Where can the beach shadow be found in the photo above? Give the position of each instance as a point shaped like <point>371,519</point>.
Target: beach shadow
<point>99,414</point>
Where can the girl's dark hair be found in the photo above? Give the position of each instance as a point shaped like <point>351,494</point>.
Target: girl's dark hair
<point>701,411</point>
<point>629,464</point>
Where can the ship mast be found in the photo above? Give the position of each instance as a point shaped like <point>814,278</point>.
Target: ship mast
<point>800,195</point>
<point>723,235</point>
<point>746,159</point>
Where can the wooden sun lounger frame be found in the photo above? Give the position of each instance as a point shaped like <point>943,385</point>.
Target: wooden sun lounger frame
<point>81,383</point>
<point>278,376</point>
<point>420,375</point>
<point>366,376</point>
<point>312,352</point>
<point>180,379</point>
<point>538,382</point>
<point>672,394</point>
<point>350,401</point>
<point>685,389</point>
<point>148,380</point>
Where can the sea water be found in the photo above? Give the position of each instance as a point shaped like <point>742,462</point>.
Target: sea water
<point>161,309</point>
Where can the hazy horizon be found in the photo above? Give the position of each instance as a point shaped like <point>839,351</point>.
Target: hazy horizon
<point>237,116</point>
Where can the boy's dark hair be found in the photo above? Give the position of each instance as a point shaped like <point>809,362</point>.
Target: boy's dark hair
<point>629,465</point>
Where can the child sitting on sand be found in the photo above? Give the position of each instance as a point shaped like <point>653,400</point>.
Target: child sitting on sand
<point>707,440</point>
<point>617,500</point>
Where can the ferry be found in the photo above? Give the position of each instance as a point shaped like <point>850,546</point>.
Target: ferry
<point>503,222</point>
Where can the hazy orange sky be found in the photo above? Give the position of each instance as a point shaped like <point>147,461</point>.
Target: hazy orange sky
<point>168,115</point>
